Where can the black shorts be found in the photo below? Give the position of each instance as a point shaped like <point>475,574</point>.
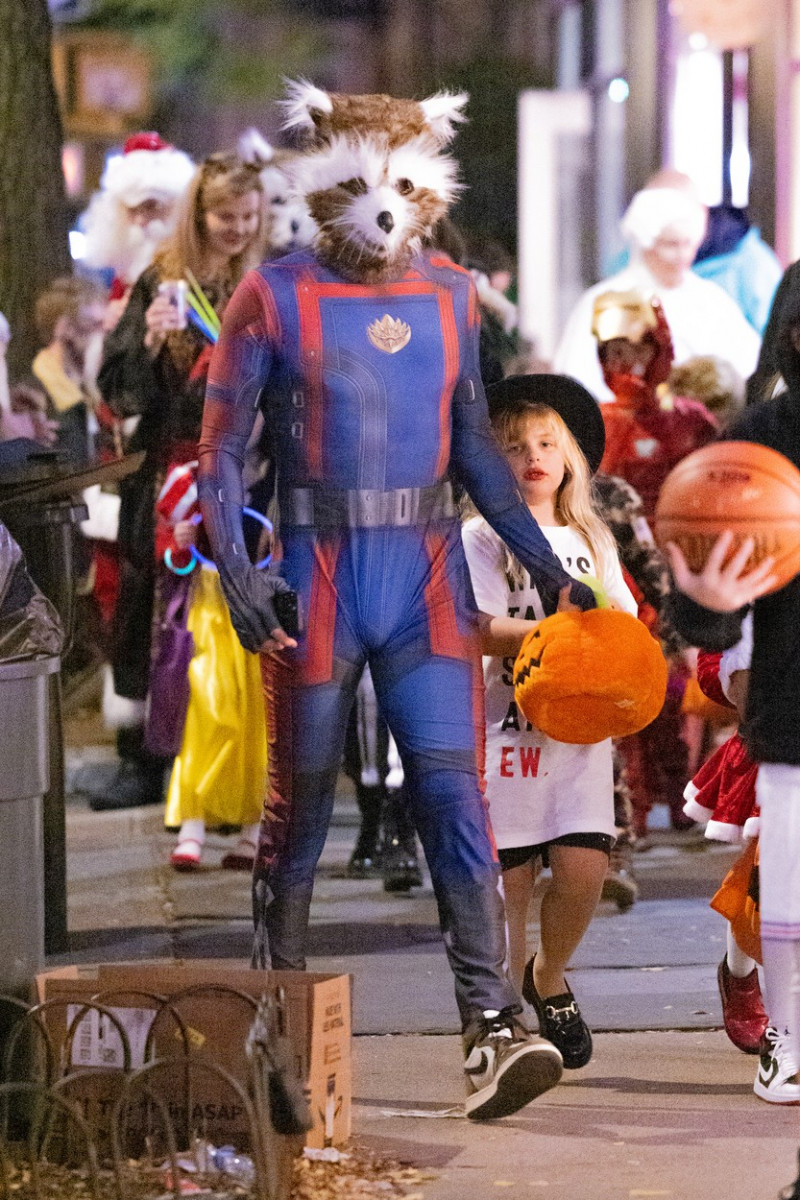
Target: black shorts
<point>517,856</point>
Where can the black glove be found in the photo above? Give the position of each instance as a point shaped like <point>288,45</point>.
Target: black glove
<point>249,593</point>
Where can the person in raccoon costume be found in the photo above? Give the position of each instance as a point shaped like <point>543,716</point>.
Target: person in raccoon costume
<point>362,354</point>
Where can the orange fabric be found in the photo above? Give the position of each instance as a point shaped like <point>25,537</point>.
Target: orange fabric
<point>583,677</point>
<point>737,901</point>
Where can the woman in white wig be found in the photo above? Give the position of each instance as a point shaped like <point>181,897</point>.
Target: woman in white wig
<point>663,227</point>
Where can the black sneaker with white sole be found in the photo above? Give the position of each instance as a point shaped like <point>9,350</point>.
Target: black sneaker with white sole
<point>506,1067</point>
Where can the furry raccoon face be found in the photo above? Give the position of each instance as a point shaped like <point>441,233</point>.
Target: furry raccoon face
<point>291,224</point>
<point>374,202</point>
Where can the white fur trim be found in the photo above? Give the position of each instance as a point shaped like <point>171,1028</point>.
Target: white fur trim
<point>253,147</point>
<point>752,828</point>
<point>738,657</point>
<point>653,210</point>
<point>697,812</point>
<point>118,711</point>
<point>103,520</point>
<point>719,831</point>
<point>147,174</point>
<point>302,98</point>
<point>368,158</point>
<point>443,113</point>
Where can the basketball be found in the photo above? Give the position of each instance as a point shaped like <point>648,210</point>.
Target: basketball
<point>741,486</point>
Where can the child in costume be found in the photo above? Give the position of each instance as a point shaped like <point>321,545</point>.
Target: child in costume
<point>723,795</point>
<point>219,776</point>
<point>362,356</point>
<point>549,803</point>
<point>709,608</point>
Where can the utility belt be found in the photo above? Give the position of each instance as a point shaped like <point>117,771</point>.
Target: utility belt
<point>323,507</point>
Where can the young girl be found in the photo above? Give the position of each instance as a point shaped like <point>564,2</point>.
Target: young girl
<point>549,803</point>
<point>155,366</point>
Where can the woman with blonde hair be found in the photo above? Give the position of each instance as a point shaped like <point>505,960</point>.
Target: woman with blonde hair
<point>154,369</point>
<point>550,804</point>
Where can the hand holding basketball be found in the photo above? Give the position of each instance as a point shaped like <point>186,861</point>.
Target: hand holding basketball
<point>746,490</point>
<point>723,586</point>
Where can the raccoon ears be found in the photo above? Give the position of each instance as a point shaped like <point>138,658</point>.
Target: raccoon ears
<point>304,105</point>
<point>443,113</point>
<point>253,147</point>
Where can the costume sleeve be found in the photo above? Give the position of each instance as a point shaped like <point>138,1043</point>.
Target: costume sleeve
<point>484,472</point>
<point>701,626</point>
<point>738,657</point>
<point>239,370</point>
<point>764,375</point>
<point>485,568</point>
<point>128,376</point>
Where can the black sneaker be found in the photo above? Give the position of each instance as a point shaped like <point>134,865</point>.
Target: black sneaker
<point>506,1067</point>
<point>400,867</point>
<point>560,1021</point>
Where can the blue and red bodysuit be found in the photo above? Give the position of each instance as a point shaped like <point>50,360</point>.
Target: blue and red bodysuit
<point>370,395</point>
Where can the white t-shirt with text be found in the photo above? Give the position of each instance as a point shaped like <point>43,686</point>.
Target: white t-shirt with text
<point>538,789</point>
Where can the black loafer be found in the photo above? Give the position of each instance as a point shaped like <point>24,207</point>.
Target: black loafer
<point>560,1021</point>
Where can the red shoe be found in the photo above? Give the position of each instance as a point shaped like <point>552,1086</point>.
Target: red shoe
<point>742,1008</point>
<point>186,855</point>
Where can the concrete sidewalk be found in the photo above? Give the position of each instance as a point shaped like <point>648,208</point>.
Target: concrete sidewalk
<point>664,1109</point>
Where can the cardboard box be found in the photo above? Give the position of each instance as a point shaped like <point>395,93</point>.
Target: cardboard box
<point>214,1003</point>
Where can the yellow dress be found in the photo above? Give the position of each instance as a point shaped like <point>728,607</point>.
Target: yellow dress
<point>220,774</point>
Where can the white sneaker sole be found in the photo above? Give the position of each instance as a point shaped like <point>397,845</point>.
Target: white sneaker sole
<point>534,1069</point>
<point>774,1097</point>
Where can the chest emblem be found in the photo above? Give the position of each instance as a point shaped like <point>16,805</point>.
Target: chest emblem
<point>390,334</point>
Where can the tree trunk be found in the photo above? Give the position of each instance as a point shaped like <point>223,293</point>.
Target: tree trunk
<point>33,217</point>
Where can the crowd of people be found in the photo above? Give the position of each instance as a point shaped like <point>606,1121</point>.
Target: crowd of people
<point>274,331</point>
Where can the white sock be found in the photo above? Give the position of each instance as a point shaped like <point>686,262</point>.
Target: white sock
<point>782,986</point>
<point>250,833</point>
<point>739,963</point>
<point>193,829</point>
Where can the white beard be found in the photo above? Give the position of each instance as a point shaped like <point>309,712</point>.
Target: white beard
<point>113,241</point>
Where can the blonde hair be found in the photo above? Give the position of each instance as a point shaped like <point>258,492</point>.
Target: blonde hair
<point>573,501</point>
<point>221,177</point>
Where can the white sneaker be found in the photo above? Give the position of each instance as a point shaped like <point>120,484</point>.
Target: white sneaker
<point>777,1078</point>
<point>506,1067</point>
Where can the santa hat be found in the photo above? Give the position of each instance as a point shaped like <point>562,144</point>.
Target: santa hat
<point>148,169</point>
<point>177,500</point>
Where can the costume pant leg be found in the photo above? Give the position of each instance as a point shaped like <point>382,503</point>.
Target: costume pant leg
<point>435,712</point>
<point>306,727</point>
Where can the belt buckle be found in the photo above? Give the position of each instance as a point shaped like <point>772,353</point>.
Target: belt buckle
<point>365,508</point>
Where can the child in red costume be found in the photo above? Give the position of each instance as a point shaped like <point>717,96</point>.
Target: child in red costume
<point>645,435</point>
<point>645,438</point>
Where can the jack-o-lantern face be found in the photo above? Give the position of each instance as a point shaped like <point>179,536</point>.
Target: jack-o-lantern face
<point>584,677</point>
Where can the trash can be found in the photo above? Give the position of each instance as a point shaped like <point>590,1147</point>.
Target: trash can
<point>24,780</point>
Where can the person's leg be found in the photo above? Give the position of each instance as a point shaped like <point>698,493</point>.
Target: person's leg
<point>568,906</point>
<point>778,795</point>
<point>743,1012</point>
<point>188,851</point>
<point>433,709</point>
<point>518,886</point>
<point>306,726</point>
